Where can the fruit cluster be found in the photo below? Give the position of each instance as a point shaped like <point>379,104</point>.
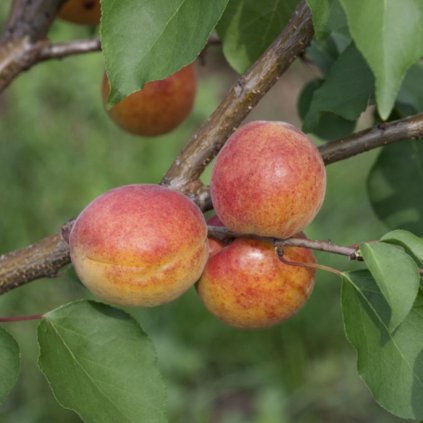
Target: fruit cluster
<point>144,245</point>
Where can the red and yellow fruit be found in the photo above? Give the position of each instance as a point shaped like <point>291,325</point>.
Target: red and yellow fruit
<point>139,245</point>
<point>269,180</point>
<point>84,12</point>
<point>247,286</point>
<point>159,107</point>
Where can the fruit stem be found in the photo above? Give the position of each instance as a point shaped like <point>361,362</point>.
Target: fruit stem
<point>21,318</point>
<point>279,252</point>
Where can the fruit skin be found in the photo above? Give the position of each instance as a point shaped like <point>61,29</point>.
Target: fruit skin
<point>269,179</point>
<point>159,107</point>
<point>247,286</point>
<point>214,244</point>
<point>139,245</point>
<point>84,12</point>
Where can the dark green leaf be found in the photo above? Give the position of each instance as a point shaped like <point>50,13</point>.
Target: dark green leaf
<point>396,275</point>
<point>330,126</point>
<point>410,242</point>
<point>410,97</point>
<point>101,364</point>
<point>149,40</point>
<point>389,34</point>
<point>9,363</point>
<point>248,27</point>
<point>391,364</point>
<point>395,185</point>
<point>328,16</point>
<point>346,90</point>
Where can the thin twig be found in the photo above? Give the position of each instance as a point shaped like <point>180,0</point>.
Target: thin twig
<point>21,318</point>
<point>25,36</point>
<point>61,50</point>
<point>352,252</point>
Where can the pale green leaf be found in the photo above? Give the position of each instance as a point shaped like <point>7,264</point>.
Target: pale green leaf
<point>389,34</point>
<point>413,244</point>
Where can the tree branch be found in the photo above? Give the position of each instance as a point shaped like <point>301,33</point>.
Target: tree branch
<point>61,50</point>
<point>25,36</point>
<point>239,101</point>
<point>383,134</point>
<point>43,259</point>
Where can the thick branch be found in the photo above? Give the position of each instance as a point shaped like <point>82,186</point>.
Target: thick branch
<point>383,134</point>
<point>239,101</point>
<point>40,260</point>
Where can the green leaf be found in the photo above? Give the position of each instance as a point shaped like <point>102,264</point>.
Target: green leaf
<point>328,16</point>
<point>391,364</point>
<point>101,364</point>
<point>144,41</point>
<point>248,27</point>
<point>410,97</point>
<point>396,275</point>
<point>346,90</point>
<point>9,363</point>
<point>410,242</point>
<point>389,34</point>
<point>394,186</point>
<point>330,126</point>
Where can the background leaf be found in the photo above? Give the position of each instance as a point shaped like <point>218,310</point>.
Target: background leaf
<point>389,34</point>
<point>410,242</point>
<point>396,275</point>
<point>248,27</point>
<point>149,40</point>
<point>390,364</point>
<point>345,92</point>
<point>9,363</point>
<point>329,126</point>
<point>328,16</point>
<point>394,186</point>
<point>101,364</point>
<point>410,97</point>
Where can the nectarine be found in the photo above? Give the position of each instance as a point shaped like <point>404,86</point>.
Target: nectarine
<point>159,107</point>
<point>139,245</point>
<point>269,179</point>
<point>84,12</point>
<point>247,286</point>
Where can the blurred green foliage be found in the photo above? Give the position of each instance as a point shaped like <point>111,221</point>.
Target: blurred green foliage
<point>58,150</point>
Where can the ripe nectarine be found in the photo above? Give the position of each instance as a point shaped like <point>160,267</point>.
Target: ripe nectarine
<point>159,107</point>
<point>269,179</point>
<point>139,245</point>
<point>247,286</point>
<point>84,12</point>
